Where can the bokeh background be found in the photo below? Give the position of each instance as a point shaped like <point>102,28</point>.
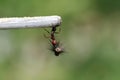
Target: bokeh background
<point>90,34</point>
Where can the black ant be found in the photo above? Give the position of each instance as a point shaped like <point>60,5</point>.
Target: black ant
<point>56,48</point>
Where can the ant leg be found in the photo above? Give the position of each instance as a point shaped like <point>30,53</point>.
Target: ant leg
<point>58,31</point>
<point>46,36</point>
<point>46,30</point>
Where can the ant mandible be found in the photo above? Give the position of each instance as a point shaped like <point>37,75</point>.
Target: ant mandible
<point>56,48</point>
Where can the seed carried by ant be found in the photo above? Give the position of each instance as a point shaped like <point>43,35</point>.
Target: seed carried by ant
<point>57,49</point>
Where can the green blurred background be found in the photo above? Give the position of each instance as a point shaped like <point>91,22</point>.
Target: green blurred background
<point>90,34</point>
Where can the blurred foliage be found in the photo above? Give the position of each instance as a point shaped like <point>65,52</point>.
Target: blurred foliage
<point>107,6</point>
<point>90,35</point>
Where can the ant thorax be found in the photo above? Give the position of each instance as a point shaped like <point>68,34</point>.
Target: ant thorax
<point>56,47</point>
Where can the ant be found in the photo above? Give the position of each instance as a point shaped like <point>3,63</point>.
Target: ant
<point>56,48</point>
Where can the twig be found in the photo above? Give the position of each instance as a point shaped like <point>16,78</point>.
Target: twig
<point>30,22</point>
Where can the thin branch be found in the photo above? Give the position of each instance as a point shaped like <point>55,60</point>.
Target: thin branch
<point>30,22</point>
